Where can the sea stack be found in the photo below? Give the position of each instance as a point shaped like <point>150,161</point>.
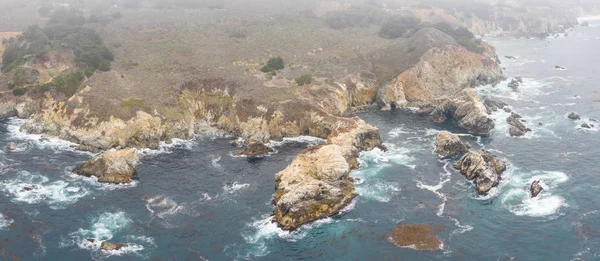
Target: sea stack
<point>115,167</point>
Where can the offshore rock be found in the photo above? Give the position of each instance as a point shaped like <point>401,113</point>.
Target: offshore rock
<point>467,110</point>
<point>574,116</point>
<point>418,237</point>
<point>316,184</point>
<point>483,168</point>
<point>11,146</point>
<point>493,105</point>
<point>535,188</point>
<point>513,84</point>
<point>254,149</point>
<point>450,144</point>
<point>114,167</point>
<point>109,246</point>
<point>517,128</point>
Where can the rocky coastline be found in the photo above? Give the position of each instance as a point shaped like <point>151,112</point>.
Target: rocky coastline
<point>317,182</point>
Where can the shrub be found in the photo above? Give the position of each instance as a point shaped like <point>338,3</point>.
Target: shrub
<point>304,79</point>
<point>69,83</point>
<point>19,91</point>
<point>273,64</point>
<point>355,16</point>
<point>397,26</point>
<point>116,15</point>
<point>93,19</point>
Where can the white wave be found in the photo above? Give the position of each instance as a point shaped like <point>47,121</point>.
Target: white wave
<point>309,140</point>
<point>35,188</point>
<point>167,148</point>
<point>214,161</point>
<point>104,228</point>
<point>38,140</point>
<point>378,190</point>
<point>162,207</point>
<point>519,202</point>
<point>263,230</point>
<point>234,187</point>
<point>395,133</point>
<point>527,91</point>
<point>5,222</point>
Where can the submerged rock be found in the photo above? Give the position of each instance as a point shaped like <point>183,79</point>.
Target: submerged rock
<point>585,23</point>
<point>114,167</point>
<point>559,67</point>
<point>483,168</point>
<point>587,126</point>
<point>418,237</point>
<point>108,246</point>
<point>254,149</point>
<point>11,146</point>
<point>510,57</point>
<point>450,144</point>
<point>535,188</point>
<point>574,116</point>
<point>467,110</point>
<point>317,184</point>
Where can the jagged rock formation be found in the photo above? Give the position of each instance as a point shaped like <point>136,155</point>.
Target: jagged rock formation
<point>114,167</point>
<point>450,144</point>
<point>316,184</point>
<point>535,188</point>
<point>483,168</point>
<point>467,110</point>
<point>492,105</point>
<point>517,127</point>
<point>418,237</point>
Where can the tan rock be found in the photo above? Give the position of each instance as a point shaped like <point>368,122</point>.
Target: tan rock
<point>111,167</point>
<point>109,246</point>
<point>418,237</point>
<point>467,110</point>
<point>450,144</point>
<point>483,168</point>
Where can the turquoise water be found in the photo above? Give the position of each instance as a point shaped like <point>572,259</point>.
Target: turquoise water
<point>195,201</point>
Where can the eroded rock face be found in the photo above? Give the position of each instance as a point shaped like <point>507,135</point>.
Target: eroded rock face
<point>114,167</point>
<point>109,246</point>
<point>450,144</point>
<point>483,168</point>
<point>254,149</point>
<point>427,81</point>
<point>467,110</point>
<point>535,188</point>
<point>418,237</point>
<point>493,105</point>
<point>316,184</point>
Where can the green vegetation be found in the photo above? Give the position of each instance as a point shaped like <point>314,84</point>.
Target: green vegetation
<point>19,91</point>
<point>69,83</point>
<point>64,32</point>
<point>274,64</point>
<point>397,26</point>
<point>133,103</point>
<point>462,36</point>
<point>304,79</point>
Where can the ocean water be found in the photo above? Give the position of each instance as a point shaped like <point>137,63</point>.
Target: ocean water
<point>194,201</point>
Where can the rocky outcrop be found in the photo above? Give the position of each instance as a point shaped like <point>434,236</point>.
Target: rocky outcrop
<point>254,149</point>
<point>114,167</point>
<point>574,116</point>
<point>316,184</point>
<point>493,105</point>
<point>439,72</point>
<point>418,237</point>
<point>467,110</point>
<point>535,188</point>
<point>109,246</point>
<point>517,127</point>
<point>514,83</point>
<point>450,144</point>
<point>483,168</point>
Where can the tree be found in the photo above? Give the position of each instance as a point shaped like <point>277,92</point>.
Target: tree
<point>274,64</point>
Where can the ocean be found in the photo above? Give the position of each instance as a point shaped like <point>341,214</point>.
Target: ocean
<point>194,200</point>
